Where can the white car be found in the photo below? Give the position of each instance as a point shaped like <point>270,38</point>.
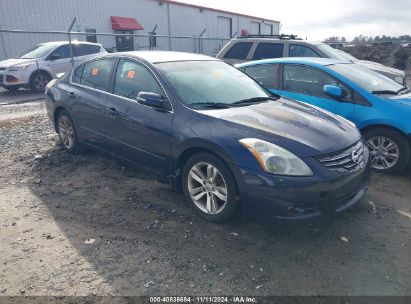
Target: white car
<point>36,67</point>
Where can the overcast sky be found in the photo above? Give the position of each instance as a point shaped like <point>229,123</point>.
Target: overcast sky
<point>319,19</point>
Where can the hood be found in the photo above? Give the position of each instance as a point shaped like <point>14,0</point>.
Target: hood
<point>370,62</point>
<point>11,62</point>
<point>296,122</point>
<point>380,68</point>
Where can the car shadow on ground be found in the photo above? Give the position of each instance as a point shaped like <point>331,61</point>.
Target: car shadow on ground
<point>148,241</point>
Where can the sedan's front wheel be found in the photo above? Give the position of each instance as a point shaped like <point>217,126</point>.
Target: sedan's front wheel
<point>210,188</point>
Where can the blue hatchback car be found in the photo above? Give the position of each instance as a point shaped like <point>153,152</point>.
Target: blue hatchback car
<point>214,132</point>
<point>380,107</point>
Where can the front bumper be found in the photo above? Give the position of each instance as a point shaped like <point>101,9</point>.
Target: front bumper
<point>13,79</point>
<point>277,198</point>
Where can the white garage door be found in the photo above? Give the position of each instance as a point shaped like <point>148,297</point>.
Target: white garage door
<point>255,28</point>
<point>224,27</point>
<point>267,29</point>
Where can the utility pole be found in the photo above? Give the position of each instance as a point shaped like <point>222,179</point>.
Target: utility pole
<point>70,45</point>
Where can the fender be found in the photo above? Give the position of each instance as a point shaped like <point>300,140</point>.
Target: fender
<point>384,122</point>
<point>201,144</point>
<point>182,151</point>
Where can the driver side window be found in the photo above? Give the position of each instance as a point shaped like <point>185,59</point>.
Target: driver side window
<point>310,81</point>
<point>133,78</point>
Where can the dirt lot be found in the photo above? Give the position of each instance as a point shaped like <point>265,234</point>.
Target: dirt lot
<point>88,224</point>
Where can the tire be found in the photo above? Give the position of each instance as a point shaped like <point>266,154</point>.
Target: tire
<point>39,80</point>
<point>401,149</point>
<point>67,133</point>
<point>205,185</point>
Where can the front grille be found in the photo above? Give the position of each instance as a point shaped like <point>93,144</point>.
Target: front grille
<point>351,159</point>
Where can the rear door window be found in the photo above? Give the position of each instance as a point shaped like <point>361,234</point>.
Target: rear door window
<point>269,50</point>
<point>81,50</point>
<point>96,74</point>
<point>239,50</point>
<point>297,50</point>
<point>78,72</point>
<point>267,75</point>
<point>94,49</point>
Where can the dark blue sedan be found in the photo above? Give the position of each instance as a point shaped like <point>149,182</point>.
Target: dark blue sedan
<point>214,132</point>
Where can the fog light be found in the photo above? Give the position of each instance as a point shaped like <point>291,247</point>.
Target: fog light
<point>12,79</point>
<point>294,210</point>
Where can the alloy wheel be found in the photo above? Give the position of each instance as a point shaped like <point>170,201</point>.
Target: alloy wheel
<point>40,82</point>
<point>207,188</point>
<point>66,132</point>
<point>384,152</point>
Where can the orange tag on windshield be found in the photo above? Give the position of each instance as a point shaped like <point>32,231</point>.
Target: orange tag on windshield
<point>94,71</point>
<point>131,74</point>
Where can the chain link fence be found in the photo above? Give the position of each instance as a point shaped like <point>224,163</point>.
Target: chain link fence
<point>25,68</point>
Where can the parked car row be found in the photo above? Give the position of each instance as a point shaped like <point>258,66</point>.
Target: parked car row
<point>371,95</point>
<point>250,48</point>
<point>281,139</point>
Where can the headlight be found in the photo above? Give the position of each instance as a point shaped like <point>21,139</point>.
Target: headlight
<point>276,160</point>
<point>49,85</point>
<point>19,67</point>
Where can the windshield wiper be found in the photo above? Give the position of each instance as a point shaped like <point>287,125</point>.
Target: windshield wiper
<point>385,92</point>
<point>210,105</point>
<point>402,90</point>
<point>253,100</point>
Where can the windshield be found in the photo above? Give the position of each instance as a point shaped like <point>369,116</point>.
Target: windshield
<point>38,51</point>
<point>367,79</point>
<point>347,56</point>
<point>333,53</point>
<point>199,83</point>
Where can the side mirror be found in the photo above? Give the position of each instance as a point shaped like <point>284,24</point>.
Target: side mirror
<point>150,99</point>
<point>53,57</point>
<point>334,91</point>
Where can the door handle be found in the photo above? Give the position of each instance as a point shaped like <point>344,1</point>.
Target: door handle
<point>112,111</point>
<point>71,95</point>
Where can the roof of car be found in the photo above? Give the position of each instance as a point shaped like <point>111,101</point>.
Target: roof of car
<point>297,60</point>
<point>67,42</point>
<point>164,56</point>
<point>272,39</point>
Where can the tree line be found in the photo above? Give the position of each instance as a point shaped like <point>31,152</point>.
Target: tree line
<point>361,39</point>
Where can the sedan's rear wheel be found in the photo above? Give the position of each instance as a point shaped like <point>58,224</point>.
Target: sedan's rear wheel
<point>209,187</point>
<point>389,149</point>
<point>67,133</point>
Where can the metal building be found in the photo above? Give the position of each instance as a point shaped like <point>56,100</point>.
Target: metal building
<point>172,25</point>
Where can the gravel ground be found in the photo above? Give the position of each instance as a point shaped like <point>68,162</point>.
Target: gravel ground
<point>90,225</point>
